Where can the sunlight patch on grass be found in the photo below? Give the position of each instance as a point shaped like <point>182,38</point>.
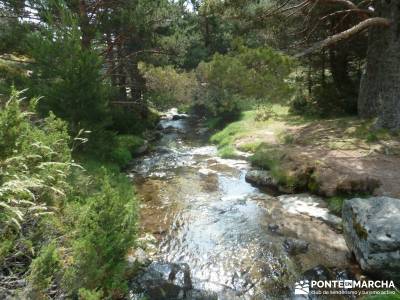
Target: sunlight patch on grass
<point>247,126</point>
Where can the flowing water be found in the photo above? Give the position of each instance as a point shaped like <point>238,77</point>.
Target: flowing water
<point>230,234</point>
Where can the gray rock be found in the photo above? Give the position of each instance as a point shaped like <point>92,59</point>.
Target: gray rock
<point>172,129</point>
<point>313,206</point>
<point>295,246</point>
<point>162,150</point>
<point>153,135</point>
<point>179,117</point>
<point>165,281</point>
<point>142,149</point>
<point>202,130</point>
<point>371,229</point>
<point>317,273</point>
<point>139,256</point>
<point>201,295</point>
<point>260,178</point>
<point>273,227</point>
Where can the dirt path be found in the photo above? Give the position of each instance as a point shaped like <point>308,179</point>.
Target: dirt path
<point>342,155</point>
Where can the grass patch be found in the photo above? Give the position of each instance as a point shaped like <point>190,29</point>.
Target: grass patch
<point>227,152</point>
<point>266,157</point>
<point>250,147</point>
<point>270,158</point>
<point>365,131</point>
<point>286,138</point>
<point>335,204</point>
<point>214,123</point>
<point>247,125</point>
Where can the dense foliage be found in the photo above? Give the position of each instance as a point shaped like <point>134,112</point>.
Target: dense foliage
<point>69,78</point>
<point>168,87</point>
<point>61,239</point>
<point>245,78</point>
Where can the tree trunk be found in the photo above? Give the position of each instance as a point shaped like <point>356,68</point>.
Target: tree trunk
<point>137,82</point>
<point>323,60</point>
<point>368,105</point>
<point>85,25</point>
<point>111,60</point>
<point>309,79</point>
<point>389,71</point>
<point>389,115</point>
<point>121,73</point>
<point>206,32</point>
<point>339,66</point>
<point>339,63</point>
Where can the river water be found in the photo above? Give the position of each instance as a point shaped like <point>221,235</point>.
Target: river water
<point>203,213</point>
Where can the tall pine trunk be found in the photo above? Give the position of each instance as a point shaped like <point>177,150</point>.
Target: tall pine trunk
<point>84,25</point>
<point>339,65</point>
<point>389,96</point>
<point>380,85</point>
<point>368,104</point>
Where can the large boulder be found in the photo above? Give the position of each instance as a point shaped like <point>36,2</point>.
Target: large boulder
<point>260,178</point>
<point>371,228</point>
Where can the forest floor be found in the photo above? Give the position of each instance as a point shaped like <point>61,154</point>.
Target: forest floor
<point>330,157</point>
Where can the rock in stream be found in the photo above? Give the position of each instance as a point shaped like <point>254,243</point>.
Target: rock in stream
<point>371,228</point>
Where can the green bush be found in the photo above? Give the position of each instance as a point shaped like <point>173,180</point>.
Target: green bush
<point>105,230</point>
<point>231,83</point>
<point>12,74</point>
<point>124,148</point>
<point>94,223</point>
<point>121,156</point>
<point>13,125</point>
<point>36,160</point>
<point>85,294</point>
<point>134,119</point>
<point>168,87</point>
<point>69,77</point>
<point>44,268</point>
<point>130,142</point>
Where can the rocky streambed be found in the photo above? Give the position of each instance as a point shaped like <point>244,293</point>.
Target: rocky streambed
<point>209,234</point>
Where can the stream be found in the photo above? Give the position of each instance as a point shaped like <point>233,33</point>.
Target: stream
<point>218,237</point>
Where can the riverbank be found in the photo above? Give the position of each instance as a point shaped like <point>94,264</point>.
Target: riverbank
<point>336,158</point>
